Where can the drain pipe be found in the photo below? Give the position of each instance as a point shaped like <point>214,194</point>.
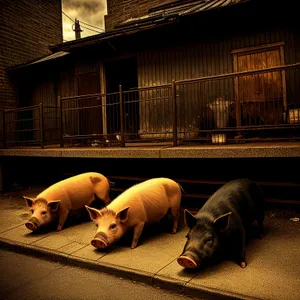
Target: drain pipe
<point>1,179</point>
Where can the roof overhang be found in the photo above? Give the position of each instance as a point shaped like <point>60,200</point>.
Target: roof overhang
<point>155,18</point>
<point>43,59</point>
<point>158,16</point>
<point>177,9</point>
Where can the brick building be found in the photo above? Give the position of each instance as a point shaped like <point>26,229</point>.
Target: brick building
<point>27,28</point>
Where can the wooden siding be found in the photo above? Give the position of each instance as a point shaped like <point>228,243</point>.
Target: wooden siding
<point>205,58</point>
<point>45,93</point>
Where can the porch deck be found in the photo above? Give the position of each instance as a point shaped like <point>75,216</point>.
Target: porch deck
<point>163,151</point>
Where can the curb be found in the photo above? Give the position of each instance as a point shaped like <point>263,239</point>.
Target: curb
<point>162,282</point>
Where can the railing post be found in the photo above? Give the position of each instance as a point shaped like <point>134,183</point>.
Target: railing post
<point>42,124</point>
<point>3,129</point>
<point>121,116</point>
<point>174,109</point>
<point>61,123</point>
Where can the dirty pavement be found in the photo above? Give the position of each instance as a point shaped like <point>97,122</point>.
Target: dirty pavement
<point>273,262</point>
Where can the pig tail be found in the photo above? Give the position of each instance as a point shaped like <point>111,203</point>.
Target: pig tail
<point>181,187</point>
<point>111,183</point>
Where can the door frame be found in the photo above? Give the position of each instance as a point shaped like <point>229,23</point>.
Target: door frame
<point>257,49</point>
<point>104,80</point>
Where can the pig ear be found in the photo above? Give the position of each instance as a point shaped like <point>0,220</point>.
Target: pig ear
<point>53,205</point>
<point>189,219</point>
<point>123,215</point>
<point>94,213</point>
<point>29,201</point>
<point>222,222</point>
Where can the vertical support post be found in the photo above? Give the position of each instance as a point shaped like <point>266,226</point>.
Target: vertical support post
<point>104,99</point>
<point>283,84</point>
<point>61,124</point>
<point>121,116</point>
<point>3,129</point>
<point>174,110</point>
<point>42,125</point>
<point>1,177</point>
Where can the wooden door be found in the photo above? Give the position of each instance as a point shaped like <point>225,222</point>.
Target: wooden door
<point>260,98</point>
<point>90,114</point>
<point>123,72</point>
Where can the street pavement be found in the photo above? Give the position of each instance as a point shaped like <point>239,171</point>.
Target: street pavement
<point>24,277</point>
<point>272,271</point>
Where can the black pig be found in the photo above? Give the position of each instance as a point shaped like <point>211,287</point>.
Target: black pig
<point>220,226</point>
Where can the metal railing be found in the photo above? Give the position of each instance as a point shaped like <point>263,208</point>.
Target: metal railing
<point>118,118</point>
<point>36,125</point>
<point>242,106</point>
<point>235,107</point>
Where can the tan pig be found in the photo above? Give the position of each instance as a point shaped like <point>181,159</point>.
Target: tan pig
<point>146,202</point>
<point>64,196</point>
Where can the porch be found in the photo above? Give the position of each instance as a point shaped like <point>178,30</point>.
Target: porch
<point>163,151</point>
<point>201,115</point>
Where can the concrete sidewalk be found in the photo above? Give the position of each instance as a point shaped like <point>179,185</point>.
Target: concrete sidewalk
<point>272,271</point>
<point>164,151</point>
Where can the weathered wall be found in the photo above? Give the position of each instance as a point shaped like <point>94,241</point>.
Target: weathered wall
<point>27,28</point>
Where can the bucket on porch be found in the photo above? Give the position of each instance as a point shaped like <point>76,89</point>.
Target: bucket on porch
<point>294,115</point>
<point>218,138</point>
<point>220,108</point>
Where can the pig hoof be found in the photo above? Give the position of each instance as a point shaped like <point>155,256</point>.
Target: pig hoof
<point>59,228</point>
<point>98,243</point>
<point>243,264</point>
<point>186,262</point>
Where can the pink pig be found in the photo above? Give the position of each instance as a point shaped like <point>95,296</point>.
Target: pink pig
<point>146,202</point>
<point>70,194</point>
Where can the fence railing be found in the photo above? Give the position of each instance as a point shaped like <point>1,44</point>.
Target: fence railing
<point>36,125</point>
<point>250,105</point>
<point>235,107</point>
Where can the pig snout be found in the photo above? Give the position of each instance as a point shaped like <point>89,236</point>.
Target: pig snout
<point>100,240</point>
<point>187,261</point>
<point>33,224</point>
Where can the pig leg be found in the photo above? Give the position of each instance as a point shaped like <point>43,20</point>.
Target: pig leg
<point>260,221</point>
<point>62,219</point>
<point>239,250</point>
<point>137,231</point>
<point>241,260</point>
<point>175,215</point>
<point>261,229</point>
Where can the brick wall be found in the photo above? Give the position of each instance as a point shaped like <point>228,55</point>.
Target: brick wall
<point>27,28</point>
<point>121,10</point>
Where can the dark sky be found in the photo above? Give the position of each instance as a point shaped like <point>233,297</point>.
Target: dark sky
<point>88,11</point>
